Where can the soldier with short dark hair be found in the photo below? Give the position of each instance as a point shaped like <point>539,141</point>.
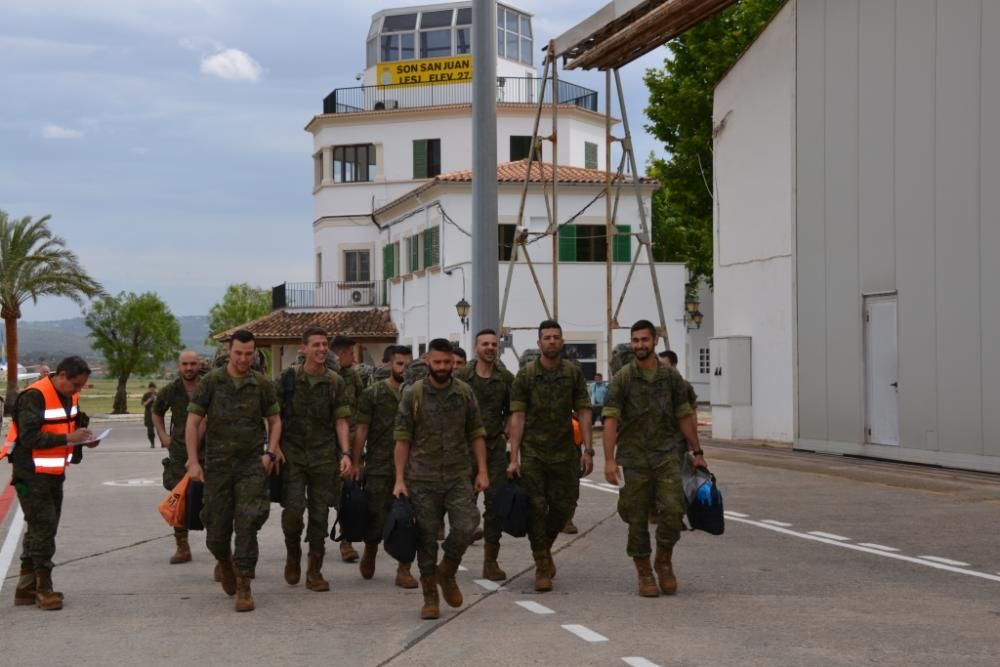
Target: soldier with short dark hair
<point>343,348</point>
<point>236,401</point>
<point>459,356</point>
<point>545,394</point>
<point>376,420</point>
<point>315,410</point>
<point>438,420</point>
<point>647,417</point>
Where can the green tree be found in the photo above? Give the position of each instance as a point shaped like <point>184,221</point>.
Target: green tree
<point>240,304</point>
<point>34,262</point>
<point>680,115</point>
<point>135,333</point>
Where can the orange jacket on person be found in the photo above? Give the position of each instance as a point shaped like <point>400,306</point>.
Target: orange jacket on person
<point>53,460</point>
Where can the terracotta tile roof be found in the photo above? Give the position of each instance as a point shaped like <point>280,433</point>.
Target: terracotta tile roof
<point>289,324</point>
<point>514,172</point>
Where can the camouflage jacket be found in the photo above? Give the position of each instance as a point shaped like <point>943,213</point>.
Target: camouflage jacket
<point>309,417</point>
<point>377,408</point>
<point>439,424</point>
<point>647,411</point>
<point>493,396</point>
<point>353,386</point>
<point>236,409</point>
<point>548,398</point>
<point>174,399</point>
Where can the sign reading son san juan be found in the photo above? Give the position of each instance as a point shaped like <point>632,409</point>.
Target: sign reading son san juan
<point>432,72</point>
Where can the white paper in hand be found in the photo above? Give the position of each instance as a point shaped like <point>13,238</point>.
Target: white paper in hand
<point>97,439</point>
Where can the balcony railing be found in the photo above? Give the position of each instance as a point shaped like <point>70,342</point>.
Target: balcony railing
<point>510,90</point>
<point>366,294</point>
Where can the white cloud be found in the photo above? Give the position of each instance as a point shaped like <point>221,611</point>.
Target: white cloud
<point>53,131</point>
<point>232,65</point>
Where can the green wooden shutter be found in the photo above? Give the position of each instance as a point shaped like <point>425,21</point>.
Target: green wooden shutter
<point>413,250</point>
<point>420,158</point>
<point>567,243</point>
<point>387,262</point>
<point>432,247</point>
<point>622,249</point>
<point>589,155</point>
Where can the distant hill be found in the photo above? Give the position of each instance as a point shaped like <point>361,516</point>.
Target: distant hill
<point>52,340</point>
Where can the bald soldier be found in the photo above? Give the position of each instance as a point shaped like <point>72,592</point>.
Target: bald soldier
<point>174,399</point>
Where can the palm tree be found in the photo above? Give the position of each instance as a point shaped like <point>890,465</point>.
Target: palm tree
<point>34,262</point>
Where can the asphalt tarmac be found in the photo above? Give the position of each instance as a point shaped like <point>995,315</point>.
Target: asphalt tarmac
<point>825,561</point>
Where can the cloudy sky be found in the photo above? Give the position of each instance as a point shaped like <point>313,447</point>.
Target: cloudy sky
<point>165,136</point>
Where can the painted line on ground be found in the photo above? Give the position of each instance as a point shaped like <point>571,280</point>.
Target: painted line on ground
<point>462,568</point>
<point>488,585</point>
<point>534,607</point>
<point>6,500</point>
<point>868,550</point>
<point>591,485</point>
<point>829,536</point>
<point>946,561</point>
<point>736,515</point>
<point>780,524</point>
<point>10,542</point>
<point>880,547</point>
<point>585,633</point>
<point>639,662</point>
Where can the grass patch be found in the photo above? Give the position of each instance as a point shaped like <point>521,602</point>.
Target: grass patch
<point>99,395</point>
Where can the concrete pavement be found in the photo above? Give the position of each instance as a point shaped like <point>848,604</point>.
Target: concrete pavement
<point>825,561</point>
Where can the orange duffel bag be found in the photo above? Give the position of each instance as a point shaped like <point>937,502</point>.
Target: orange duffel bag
<point>173,507</point>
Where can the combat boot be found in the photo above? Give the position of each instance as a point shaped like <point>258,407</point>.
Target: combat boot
<point>431,608</point>
<point>227,576</point>
<point>403,577</point>
<point>347,553</point>
<point>570,528</point>
<point>293,562</point>
<point>45,597</point>
<point>647,582</point>
<point>24,594</point>
<point>665,570</point>
<point>543,578</point>
<point>552,562</point>
<point>446,580</point>
<point>244,596</point>
<point>183,553</point>
<point>491,569</point>
<point>367,566</point>
<point>314,575</point>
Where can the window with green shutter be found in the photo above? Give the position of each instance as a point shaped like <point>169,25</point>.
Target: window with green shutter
<point>426,158</point>
<point>388,262</point>
<point>567,243</point>
<point>622,249</point>
<point>589,155</point>
<point>432,247</point>
<point>413,254</point>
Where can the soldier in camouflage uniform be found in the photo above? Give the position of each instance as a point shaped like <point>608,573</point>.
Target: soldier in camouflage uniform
<point>669,357</point>
<point>544,397</point>
<point>235,401</point>
<point>174,398</point>
<point>376,421</point>
<point>492,387</point>
<point>343,349</point>
<point>438,420</point>
<point>648,417</point>
<point>314,439</point>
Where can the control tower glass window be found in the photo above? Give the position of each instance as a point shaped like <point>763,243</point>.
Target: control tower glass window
<point>514,41</point>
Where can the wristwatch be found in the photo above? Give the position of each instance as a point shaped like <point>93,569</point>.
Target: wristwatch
<point>343,454</point>
<point>696,452</point>
<point>589,451</point>
<point>274,457</point>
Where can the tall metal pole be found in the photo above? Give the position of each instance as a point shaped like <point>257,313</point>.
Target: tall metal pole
<point>609,233</point>
<point>555,180</point>
<point>485,311</point>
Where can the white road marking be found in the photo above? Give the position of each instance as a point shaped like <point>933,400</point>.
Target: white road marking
<point>462,568</point>
<point>868,550</point>
<point>133,482</point>
<point>737,515</point>
<point>639,662</point>
<point>880,547</point>
<point>585,633</point>
<point>776,523</point>
<point>489,585</point>
<point>946,561</point>
<point>534,607</point>
<point>591,485</point>
<point>830,536</point>
<point>10,542</point>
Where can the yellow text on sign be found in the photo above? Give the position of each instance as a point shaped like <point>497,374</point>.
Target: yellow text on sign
<point>432,72</point>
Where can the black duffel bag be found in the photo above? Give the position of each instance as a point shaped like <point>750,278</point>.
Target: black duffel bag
<point>352,514</point>
<point>512,507</point>
<point>399,537</point>
<point>193,505</point>
<point>276,483</point>
<point>705,511</point>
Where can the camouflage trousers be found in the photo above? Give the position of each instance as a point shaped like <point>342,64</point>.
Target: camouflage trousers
<point>309,485</point>
<point>646,490</point>
<point>431,501</point>
<point>41,499</point>
<point>379,488</point>
<point>553,489</point>
<point>496,467</point>
<point>236,499</point>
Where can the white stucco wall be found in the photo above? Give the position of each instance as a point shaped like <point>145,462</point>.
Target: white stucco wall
<point>754,117</point>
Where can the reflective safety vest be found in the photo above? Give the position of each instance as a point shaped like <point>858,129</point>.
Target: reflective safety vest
<point>51,461</point>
